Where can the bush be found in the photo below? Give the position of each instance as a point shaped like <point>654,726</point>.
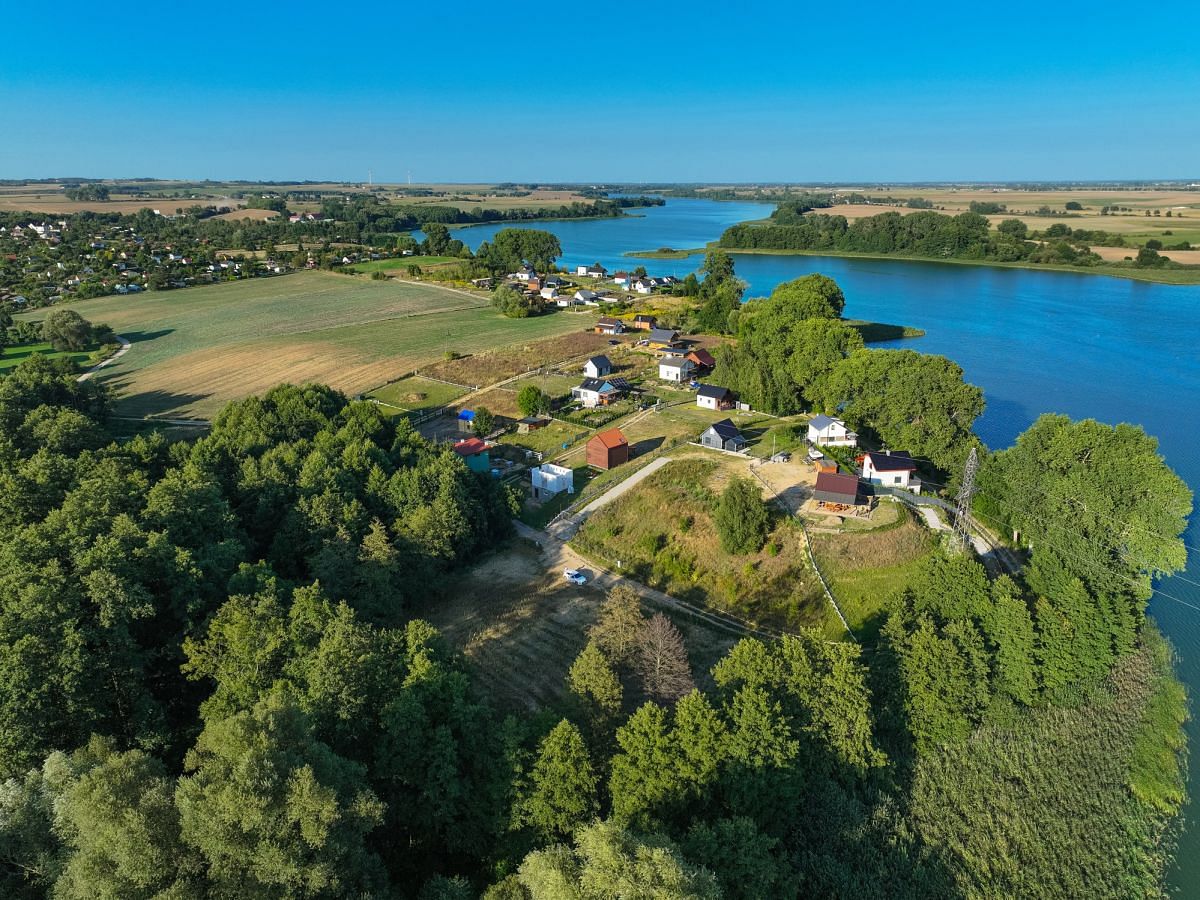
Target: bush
<point>742,519</point>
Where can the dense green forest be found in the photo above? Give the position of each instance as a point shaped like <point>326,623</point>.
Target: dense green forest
<point>216,681</point>
<point>926,233</point>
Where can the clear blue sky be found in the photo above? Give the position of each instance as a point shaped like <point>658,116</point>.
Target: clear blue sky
<point>466,91</point>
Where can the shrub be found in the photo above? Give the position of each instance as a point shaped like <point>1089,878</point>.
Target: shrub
<point>742,519</point>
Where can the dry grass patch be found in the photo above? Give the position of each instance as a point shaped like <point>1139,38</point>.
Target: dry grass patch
<point>496,365</point>
<point>663,534</point>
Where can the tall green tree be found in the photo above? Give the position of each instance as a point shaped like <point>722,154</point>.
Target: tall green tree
<point>561,794</point>
<point>742,519</point>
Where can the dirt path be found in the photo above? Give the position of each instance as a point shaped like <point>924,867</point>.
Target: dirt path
<point>125,345</point>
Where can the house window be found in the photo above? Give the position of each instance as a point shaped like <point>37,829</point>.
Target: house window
<point>897,480</point>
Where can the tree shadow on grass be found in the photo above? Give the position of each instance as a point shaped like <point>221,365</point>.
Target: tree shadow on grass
<point>646,445</point>
<point>142,337</point>
<point>152,404</point>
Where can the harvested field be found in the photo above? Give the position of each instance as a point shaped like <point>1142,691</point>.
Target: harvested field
<point>496,365</point>
<point>522,626</point>
<point>1116,254</point>
<point>196,349</point>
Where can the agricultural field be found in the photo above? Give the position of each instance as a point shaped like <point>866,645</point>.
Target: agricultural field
<point>401,263</point>
<point>663,534</point>
<point>197,349</point>
<point>865,568</point>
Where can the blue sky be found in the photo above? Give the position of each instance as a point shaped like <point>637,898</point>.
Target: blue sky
<point>620,91</point>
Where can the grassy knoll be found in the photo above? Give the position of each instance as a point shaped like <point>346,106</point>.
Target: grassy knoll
<point>196,349</point>
<point>865,568</point>
<point>663,534</point>
<point>13,356</point>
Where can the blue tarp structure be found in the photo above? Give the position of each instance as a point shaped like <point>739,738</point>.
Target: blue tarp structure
<point>466,415</point>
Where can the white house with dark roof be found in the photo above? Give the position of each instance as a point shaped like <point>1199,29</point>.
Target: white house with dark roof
<point>677,369</point>
<point>826,431</point>
<point>892,468</point>
<point>597,367</point>
<point>713,396</point>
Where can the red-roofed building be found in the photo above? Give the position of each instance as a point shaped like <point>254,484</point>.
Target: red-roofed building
<point>608,449</point>
<point>475,454</point>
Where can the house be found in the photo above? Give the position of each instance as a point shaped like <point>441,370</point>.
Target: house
<point>525,273</point>
<point>829,432</point>
<point>554,281</point>
<point>548,293</point>
<point>549,480</point>
<point>834,488</point>
<point>533,285</point>
<point>597,367</point>
<point>677,368</point>
<point>607,449</point>
<point>586,296</point>
<point>474,453</point>
<point>892,468</point>
<point>703,360</point>
<point>723,435</point>
<point>593,392</point>
<point>712,396</point>
<point>641,286</point>
<point>608,325</point>
<point>484,283</point>
<point>593,271</point>
<point>565,301</point>
<point>531,423</point>
<point>466,420</point>
<point>662,337</point>
<point>621,278</point>
<point>644,323</point>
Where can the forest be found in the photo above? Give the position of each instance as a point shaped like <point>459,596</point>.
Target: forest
<point>924,234</point>
<point>216,679</point>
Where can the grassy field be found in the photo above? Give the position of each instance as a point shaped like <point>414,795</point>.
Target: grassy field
<point>416,394</point>
<point>196,349</point>
<point>401,263</point>
<point>866,568</point>
<point>662,532</point>
<point>14,356</point>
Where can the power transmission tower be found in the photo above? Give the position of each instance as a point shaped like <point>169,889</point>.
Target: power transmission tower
<point>962,514</point>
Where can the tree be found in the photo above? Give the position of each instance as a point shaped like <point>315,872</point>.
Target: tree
<point>662,659</point>
<point>742,857</point>
<point>561,794</point>
<point>1148,258</point>
<point>618,628</point>
<point>811,297</point>
<point>66,329</point>
<point>513,303</point>
<point>483,422</point>
<point>437,238</point>
<point>608,861</point>
<point>593,680</point>
<point>742,519</point>
<point>120,825</point>
<point>532,401</point>
<point>274,811</point>
<point>513,246</point>
<point>911,401</point>
<point>1014,229</point>
<point>1073,205</point>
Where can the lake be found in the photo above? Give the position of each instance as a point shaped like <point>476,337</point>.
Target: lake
<point>1085,345</point>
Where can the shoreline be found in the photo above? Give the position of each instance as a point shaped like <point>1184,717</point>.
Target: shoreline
<point>1186,277</point>
<point>1182,277</point>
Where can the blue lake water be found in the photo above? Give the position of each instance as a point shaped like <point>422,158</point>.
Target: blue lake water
<point>1085,345</point>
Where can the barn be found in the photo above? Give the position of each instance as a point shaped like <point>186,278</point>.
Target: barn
<point>607,449</point>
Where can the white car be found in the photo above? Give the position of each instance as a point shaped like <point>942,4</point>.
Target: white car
<point>575,576</point>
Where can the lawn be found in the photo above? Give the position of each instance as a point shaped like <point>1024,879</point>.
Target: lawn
<point>196,349</point>
<point>662,533</point>
<point>14,356</point>
<point>416,394</point>
<point>866,568</point>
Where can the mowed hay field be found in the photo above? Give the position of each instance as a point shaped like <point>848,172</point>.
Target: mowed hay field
<point>196,349</point>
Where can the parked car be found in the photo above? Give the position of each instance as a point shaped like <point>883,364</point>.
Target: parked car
<point>575,576</point>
